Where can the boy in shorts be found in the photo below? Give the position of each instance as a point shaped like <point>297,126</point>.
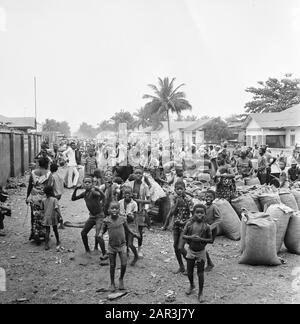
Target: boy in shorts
<point>129,209</point>
<point>94,199</point>
<point>116,225</point>
<point>213,219</point>
<point>197,234</point>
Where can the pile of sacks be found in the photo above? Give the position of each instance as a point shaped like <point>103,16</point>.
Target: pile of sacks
<point>263,235</point>
<point>259,198</point>
<point>264,219</point>
<point>271,220</point>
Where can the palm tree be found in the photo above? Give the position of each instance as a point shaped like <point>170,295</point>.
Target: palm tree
<point>167,99</point>
<point>142,118</point>
<point>145,118</point>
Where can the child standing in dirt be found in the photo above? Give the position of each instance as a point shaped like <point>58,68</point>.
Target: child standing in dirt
<point>213,218</point>
<point>129,209</point>
<point>197,234</point>
<point>181,212</point>
<point>51,215</point>
<point>57,182</point>
<point>116,226</point>
<point>141,195</point>
<point>94,201</point>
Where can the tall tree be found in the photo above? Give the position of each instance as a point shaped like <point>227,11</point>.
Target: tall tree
<point>123,117</point>
<point>142,118</point>
<point>216,131</point>
<point>51,125</point>
<point>86,130</point>
<point>274,95</point>
<point>106,125</point>
<point>146,118</point>
<point>167,99</point>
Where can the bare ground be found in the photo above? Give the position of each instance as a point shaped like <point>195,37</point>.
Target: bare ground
<point>36,276</point>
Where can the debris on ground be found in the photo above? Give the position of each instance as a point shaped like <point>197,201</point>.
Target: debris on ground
<point>116,295</point>
<point>170,296</point>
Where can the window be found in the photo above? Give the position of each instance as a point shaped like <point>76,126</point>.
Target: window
<point>275,141</point>
<point>292,140</point>
<point>259,140</point>
<point>248,140</point>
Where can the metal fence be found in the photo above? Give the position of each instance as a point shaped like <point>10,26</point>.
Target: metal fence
<point>17,150</point>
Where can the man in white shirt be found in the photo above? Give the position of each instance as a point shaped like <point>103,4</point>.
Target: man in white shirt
<point>69,154</point>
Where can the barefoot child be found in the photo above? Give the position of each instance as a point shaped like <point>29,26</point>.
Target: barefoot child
<point>197,234</point>
<point>181,211</point>
<point>129,209</point>
<point>116,226</point>
<point>94,201</point>
<point>57,182</point>
<point>141,195</point>
<point>51,215</point>
<point>213,218</point>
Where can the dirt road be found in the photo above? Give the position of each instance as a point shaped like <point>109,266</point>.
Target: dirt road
<point>37,276</point>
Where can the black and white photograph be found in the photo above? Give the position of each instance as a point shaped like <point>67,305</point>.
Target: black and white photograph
<point>150,154</point>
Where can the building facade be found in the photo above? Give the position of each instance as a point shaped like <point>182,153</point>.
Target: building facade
<point>277,130</point>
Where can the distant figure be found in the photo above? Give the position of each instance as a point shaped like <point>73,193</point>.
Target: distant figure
<point>72,166</point>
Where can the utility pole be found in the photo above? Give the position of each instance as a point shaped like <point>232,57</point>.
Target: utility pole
<point>35,112</point>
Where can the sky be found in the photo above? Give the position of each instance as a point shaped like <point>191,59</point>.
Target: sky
<point>92,58</point>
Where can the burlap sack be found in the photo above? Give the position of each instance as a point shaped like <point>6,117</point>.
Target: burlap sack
<point>296,194</point>
<point>260,242</point>
<point>230,225</point>
<point>281,215</point>
<point>268,199</point>
<point>292,236</point>
<point>287,198</point>
<point>244,201</point>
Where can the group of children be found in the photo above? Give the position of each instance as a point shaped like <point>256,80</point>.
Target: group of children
<point>119,207</point>
<point>122,212</point>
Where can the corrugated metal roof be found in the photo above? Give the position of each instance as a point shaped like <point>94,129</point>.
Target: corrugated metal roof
<point>18,122</point>
<point>286,118</point>
<point>197,125</point>
<point>174,125</point>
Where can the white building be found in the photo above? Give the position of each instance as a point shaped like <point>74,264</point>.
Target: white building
<point>277,130</point>
<point>184,133</point>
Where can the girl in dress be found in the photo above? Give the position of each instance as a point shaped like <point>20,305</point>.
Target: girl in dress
<point>51,215</point>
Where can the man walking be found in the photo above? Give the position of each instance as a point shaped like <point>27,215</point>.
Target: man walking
<point>73,174</point>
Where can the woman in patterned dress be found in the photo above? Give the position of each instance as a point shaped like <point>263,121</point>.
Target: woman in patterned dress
<point>35,193</point>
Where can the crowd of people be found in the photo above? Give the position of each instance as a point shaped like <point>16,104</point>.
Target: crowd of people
<point>126,193</point>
